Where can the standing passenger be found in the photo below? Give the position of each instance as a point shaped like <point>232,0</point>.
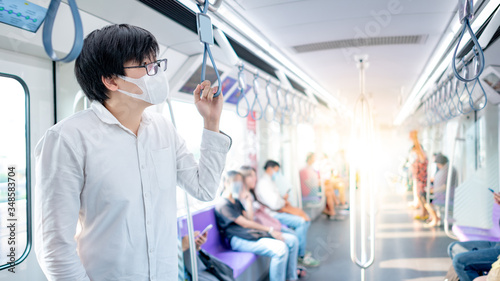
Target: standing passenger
<point>419,174</point>
<point>114,167</point>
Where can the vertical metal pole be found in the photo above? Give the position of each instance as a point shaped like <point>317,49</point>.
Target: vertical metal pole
<point>362,130</point>
<point>189,219</point>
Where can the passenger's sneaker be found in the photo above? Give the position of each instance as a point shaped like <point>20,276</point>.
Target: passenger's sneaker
<point>308,260</point>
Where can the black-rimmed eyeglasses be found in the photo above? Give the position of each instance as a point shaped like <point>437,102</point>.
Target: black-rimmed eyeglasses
<point>152,68</point>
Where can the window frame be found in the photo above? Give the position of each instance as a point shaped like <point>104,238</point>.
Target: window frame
<point>29,239</point>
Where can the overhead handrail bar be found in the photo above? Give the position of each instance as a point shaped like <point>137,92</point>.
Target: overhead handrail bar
<point>242,87</point>
<point>49,25</point>
<point>448,186</point>
<point>205,33</point>
<point>256,100</point>
<point>466,9</point>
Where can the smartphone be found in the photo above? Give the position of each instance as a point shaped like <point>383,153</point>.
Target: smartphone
<point>205,230</point>
<point>492,191</point>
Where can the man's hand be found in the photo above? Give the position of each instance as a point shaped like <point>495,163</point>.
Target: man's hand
<point>210,108</point>
<point>496,195</point>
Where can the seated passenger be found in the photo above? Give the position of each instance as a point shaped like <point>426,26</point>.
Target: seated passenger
<point>267,194</point>
<point>336,182</point>
<point>260,213</point>
<point>474,257</point>
<point>205,273</point>
<point>311,187</point>
<point>439,184</point>
<point>245,235</point>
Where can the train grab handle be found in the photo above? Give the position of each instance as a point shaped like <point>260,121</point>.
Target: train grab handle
<point>205,32</point>
<point>49,25</point>
<point>466,9</point>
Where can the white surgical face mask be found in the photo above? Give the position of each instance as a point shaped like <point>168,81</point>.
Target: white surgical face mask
<point>154,88</point>
<point>237,185</point>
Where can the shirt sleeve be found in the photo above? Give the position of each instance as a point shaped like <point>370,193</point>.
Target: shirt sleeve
<point>202,179</point>
<point>268,195</point>
<point>59,182</point>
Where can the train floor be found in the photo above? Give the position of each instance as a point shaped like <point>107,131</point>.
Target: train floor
<point>404,249</point>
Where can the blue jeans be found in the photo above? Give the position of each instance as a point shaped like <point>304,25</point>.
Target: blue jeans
<point>300,226</point>
<point>472,257</point>
<point>283,254</point>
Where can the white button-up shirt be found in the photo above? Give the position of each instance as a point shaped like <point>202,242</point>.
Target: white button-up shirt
<point>121,188</point>
<point>268,194</point>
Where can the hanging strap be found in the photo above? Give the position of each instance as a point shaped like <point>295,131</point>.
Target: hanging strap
<point>256,99</point>
<point>241,87</point>
<point>269,104</point>
<point>205,32</point>
<point>49,25</point>
<point>466,13</point>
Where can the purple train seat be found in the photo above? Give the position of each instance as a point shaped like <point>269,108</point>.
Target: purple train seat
<point>466,233</point>
<point>238,261</point>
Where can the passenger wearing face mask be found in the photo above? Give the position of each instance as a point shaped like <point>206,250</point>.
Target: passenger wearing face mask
<point>114,167</point>
<point>266,192</point>
<point>245,235</point>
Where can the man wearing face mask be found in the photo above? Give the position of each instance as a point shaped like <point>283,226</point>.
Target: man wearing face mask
<point>267,193</point>
<point>114,168</point>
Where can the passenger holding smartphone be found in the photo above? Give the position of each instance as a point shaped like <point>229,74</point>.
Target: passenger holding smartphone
<point>471,258</point>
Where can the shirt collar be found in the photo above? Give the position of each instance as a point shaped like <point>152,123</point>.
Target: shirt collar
<point>106,116</point>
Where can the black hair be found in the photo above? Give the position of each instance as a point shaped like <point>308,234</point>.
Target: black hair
<point>271,164</point>
<point>105,51</point>
<point>441,159</point>
<point>232,174</point>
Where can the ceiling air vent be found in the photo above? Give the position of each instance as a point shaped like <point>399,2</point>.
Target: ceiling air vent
<point>361,42</point>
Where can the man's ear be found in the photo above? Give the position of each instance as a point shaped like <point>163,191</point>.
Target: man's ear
<point>110,83</point>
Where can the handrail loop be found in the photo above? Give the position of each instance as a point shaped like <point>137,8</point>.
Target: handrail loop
<point>205,32</point>
<point>241,87</point>
<point>466,8</point>
<point>256,99</point>
<point>285,109</point>
<point>49,25</point>
<point>279,108</point>
<point>269,104</point>
<point>301,111</point>
<point>464,90</point>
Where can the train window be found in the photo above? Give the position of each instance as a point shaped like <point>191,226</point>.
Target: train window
<point>15,209</point>
<point>187,118</point>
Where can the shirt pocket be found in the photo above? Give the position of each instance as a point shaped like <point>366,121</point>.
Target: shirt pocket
<point>165,167</point>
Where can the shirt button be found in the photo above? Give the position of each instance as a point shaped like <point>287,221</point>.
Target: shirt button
<point>148,222</point>
<point>151,250</point>
<point>146,194</point>
<point>143,167</point>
